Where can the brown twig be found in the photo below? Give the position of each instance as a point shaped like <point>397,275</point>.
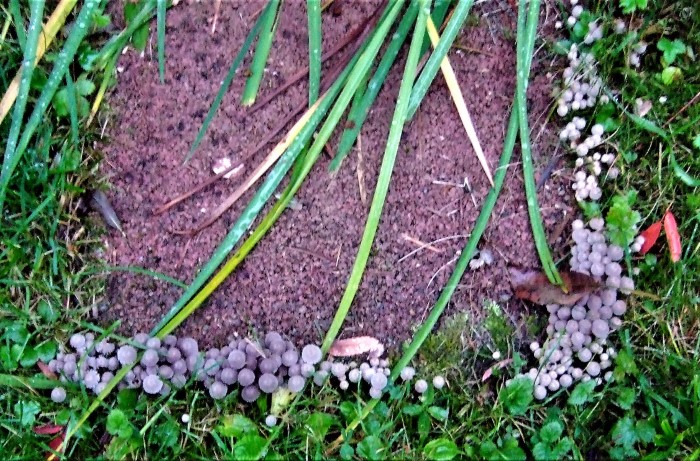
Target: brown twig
<point>692,101</point>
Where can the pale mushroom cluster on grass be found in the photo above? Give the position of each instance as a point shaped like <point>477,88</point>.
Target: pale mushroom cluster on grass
<point>253,368</point>
<point>578,345</point>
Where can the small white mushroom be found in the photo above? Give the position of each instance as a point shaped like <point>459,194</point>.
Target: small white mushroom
<point>218,390</point>
<point>58,394</point>
<point>152,384</point>
<point>421,386</point>
<point>311,354</point>
<point>271,420</point>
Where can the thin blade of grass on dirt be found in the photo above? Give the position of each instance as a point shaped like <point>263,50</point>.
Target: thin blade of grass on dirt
<point>355,72</point>
<point>426,77</point>
<point>65,58</point>
<point>527,20</point>
<point>458,99</point>
<point>313,8</point>
<point>358,113</point>
<point>49,30</point>
<point>227,81</point>
<point>160,25</point>
<point>27,70</point>
<point>262,51</point>
<point>72,103</point>
<point>380,193</point>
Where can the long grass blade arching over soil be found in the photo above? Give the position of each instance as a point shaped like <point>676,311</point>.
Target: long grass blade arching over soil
<point>390,153</point>
<point>83,23</point>
<point>468,252</point>
<point>160,25</point>
<point>262,51</point>
<point>314,13</point>
<point>525,46</point>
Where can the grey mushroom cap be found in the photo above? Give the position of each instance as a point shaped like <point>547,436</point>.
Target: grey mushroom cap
<point>236,359</point>
<point>211,366</point>
<point>126,354</point>
<point>152,384</point>
<point>188,346</point>
<point>438,382</point>
<point>378,381</point>
<point>278,347</point>
<point>375,393</point>
<point>421,386</point>
<point>296,383</point>
<point>294,370</point>
<point>218,390</point>
<point>408,373</point>
<point>268,383</point>
<point>58,394</point>
<point>246,377</point>
<point>91,378</point>
<point>149,358</point>
<point>268,365</point>
<point>153,343</point>
<point>228,375</point>
<point>250,394</point>
<point>311,354</point>
<point>290,357</point>
<point>271,420</point>
<point>77,341</point>
<point>273,337</point>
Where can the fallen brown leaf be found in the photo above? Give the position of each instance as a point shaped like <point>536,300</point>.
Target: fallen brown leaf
<point>356,346</point>
<point>534,286</point>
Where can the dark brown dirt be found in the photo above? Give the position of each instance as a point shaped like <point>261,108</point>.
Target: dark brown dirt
<point>293,280</point>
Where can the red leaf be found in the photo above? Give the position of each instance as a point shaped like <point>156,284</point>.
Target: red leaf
<point>673,237</point>
<point>45,370</point>
<point>48,429</point>
<point>534,286</point>
<point>56,445</point>
<point>650,234</point>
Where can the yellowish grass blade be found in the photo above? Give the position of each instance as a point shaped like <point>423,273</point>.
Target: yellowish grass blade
<point>458,99</point>
<point>49,30</point>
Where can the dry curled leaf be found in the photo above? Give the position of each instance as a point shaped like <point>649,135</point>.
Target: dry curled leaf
<point>534,286</point>
<point>673,237</point>
<point>356,346</point>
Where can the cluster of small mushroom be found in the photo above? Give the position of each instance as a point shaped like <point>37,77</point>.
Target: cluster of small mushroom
<point>635,56</point>
<point>254,367</point>
<point>577,346</point>
<point>172,362</point>
<point>582,85</point>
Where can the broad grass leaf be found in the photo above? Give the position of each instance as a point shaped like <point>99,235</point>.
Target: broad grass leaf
<point>441,449</point>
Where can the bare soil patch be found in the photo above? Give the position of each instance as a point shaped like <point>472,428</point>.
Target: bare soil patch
<point>293,280</point>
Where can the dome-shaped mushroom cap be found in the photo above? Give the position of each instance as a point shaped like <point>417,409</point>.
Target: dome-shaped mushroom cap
<point>278,347</point>
<point>149,358</point>
<point>58,394</point>
<point>268,365</point>
<point>311,354</point>
<point>271,420</point>
<point>91,378</point>
<point>600,329</point>
<point>272,337</point>
<point>218,390</point>
<point>296,383</point>
<point>236,359</point>
<point>354,375</point>
<point>438,382</point>
<point>268,383</point>
<point>378,381</point>
<point>421,386</point>
<point>246,377</point>
<point>290,357</point>
<point>375,393</point>
<point>250,394</point>
<point>408,373</point>
<point>188,346</point>
<point>152,384</point>
<point>77,341</point>
<point>540,392</point>
<point>153,343</point>
<point>228,375</point>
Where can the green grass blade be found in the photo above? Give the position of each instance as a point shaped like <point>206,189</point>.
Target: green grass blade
<point>438,14</point>
<point>72,103</point>
<point>135,270</point>
<point>160,24</point>
<point>227,81</point>
<point>36,15</point>
<point>358,113</point>
<point>18,21</point>
<point>355,72</point>
<point>262,51</point>
<point>380,193</point>
<point>313,8</point>
<point>65,58</point>
<point>525,48</point>
<point>425,79</point>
